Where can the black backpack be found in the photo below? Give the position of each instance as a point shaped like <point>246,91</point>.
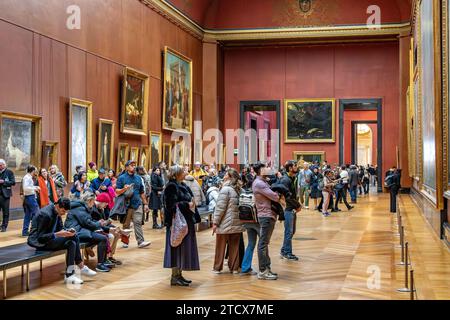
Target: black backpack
<point>247,208</point>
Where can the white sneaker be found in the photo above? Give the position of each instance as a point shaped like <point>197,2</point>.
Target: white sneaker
<point>306,207</point>
<point>124,245</point>
<point>88,272</point>
<point>73,279</point>
<point>216,271</point>
<point>144,244</point>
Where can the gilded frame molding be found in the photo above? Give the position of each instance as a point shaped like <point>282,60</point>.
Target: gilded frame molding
<point>308,153</point>
<point>136,151</point>
<point>147,160</point>
<point>35,158</point>
<point>88,105</point>
<point>159,135</point>
<point>333,117</point>
<point>144,77</point>
<point>126,154</point>
<point>99,141</point>
<point>167,161</point>
<point>55,145</point>
<point>445,97</point>
<point>191,89</point>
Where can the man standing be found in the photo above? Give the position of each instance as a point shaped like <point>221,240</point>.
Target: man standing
<point>7,180</point>
<point>267,218</point>
<point>304,180</point>
<point>353,181</point>
<point>393,184</point>
<point>30,204</point>
<point>292,208</point>
<point>137,203</point>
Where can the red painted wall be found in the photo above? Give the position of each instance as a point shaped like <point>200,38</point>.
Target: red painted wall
<point>343,71</point>
<point>353,115</point>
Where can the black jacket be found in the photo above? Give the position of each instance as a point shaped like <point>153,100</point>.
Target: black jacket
<point>178,193</point>
<point>5,187</point>
<point>290,184</point>
<point>81,220</point>
<point>43,227</point>
<point>157,186</point>
<point>353,179</point>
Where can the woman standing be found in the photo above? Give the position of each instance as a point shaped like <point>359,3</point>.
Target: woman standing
<point>157,184</point>
<point>315,192</point>
<point>184,256</point>
<point>227,225</point>
<point>327,191</point>
<point>47,193</point>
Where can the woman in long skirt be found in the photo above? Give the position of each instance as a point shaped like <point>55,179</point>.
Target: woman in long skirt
<point>185,256</point>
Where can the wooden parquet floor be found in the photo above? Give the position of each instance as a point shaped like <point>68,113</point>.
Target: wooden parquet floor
<point>337,256</point>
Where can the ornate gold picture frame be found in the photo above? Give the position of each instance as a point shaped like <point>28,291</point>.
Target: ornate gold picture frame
<point>80,134</point>
<point>177,92</point>
<point>105,145</point>
<point>309,156</point>
<point>20,141</point>
<point>134,107</point>
<point>167,153</point>
<point>310,120</point>
<point>49,153</point>
<point>123,150</point>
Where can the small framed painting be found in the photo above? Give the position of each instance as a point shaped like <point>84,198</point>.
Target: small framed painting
<point>144,157</point>
<point>134,154</point>
<point>155,147</point>
<point>49,154</point>
<point>122,157</point>
<point>167,153</point>
<point>309,157</point>
<point>105,146</point>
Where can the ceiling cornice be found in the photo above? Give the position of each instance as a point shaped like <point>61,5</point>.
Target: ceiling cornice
<point>177,17</point>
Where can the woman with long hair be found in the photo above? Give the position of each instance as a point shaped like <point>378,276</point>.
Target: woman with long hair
<point>47,193</point>
<point>157,184</point>
<point>184,256</point>
<point>227,225</point>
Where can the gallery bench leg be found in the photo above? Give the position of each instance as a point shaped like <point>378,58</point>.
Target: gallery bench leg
<point>28,277</point>
<point>40,267</point>
<point>4,284</point>
<point>22,271</point>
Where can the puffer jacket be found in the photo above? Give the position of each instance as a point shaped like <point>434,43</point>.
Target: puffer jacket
<point>226,214</point>
<point>212,195</point>
<point>199,196</point>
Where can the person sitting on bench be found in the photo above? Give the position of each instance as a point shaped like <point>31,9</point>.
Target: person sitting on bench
<point>47,234</point>
<point>88,230</point>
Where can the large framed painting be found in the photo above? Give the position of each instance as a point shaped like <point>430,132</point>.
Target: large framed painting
<point>167,153</point>
<point>20,140</point>
<point>144,157</point>
<point>309,121</point>
<point>134,154</point>
<point>309,156</point>
<point>134,109</point>
<point>49,154</point>
<point>155,147</point>
<point>122,156</point>
<point>105,146</point>
<point>177,97</point>
<point>80,134</point>
<point>429,62</point>
<point>446,93</point>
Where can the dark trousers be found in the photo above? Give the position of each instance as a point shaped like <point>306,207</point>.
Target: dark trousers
<point>267,225</point>
<point>100,241</point>
<point>393,193</point>
<point>366,185</point>
<point>341,196</point>
<point>4,208</point>
<point>72,245</point>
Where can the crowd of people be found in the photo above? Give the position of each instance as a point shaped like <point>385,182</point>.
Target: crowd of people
<point>250,201</point>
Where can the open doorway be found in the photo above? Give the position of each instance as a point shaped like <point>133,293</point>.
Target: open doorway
<point>364,142</point>
<point>365,115</point>
<point>259,116</point>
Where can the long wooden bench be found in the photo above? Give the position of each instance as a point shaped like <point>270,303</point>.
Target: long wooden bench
<point>20,255</point>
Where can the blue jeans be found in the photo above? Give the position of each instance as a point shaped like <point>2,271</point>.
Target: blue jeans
<point>289,222</point>
<point>267,225</point>
<point>353,191</point>
<point>253,234</point>
<point>31,208</point>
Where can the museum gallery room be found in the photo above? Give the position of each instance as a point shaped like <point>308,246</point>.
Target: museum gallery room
<point>224,150</point>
